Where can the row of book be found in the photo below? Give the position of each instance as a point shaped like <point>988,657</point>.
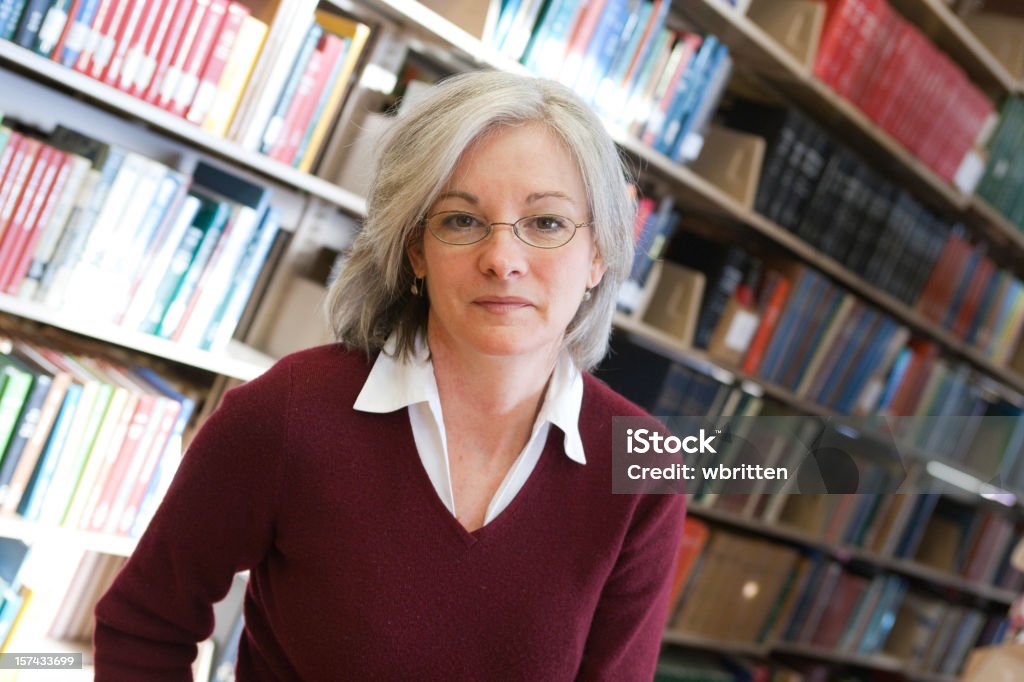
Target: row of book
<point>88,226</point>
<point>659,84</point>
<point>201,60</point>
<point>820,191</point>
<point>88,442</point>
<point>988,443</point>
<point>1004,172</point>
<point>889,69</point>
<point>734,587</point>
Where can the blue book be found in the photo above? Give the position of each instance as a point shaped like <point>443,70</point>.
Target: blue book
<point>808,289</point>
<point>225,319</point>
<point>830,303</point>
<point>687,93</point>
<point>600,51</point>
<point>505,20</point>
<point>691,135</point>
<point>276,123</point>
<point>32,499</point>
<point>10,12</point>
<point>892,384</point>
<point>988,299</point>
<point>548,41</point>
<point>869,359</point>
<point>649,42</point>
<point>850,344</point>
<point>30,23</point>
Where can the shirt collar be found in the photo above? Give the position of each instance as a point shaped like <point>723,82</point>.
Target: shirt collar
<point>393,385</point>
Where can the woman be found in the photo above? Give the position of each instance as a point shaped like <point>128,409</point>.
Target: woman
<point>430,499</point>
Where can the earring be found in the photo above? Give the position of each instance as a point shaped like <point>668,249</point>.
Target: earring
<point>587,295</point>
<point>417,286</point>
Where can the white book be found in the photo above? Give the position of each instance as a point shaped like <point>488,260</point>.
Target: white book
<point>221,272</point>
<point>284,40</point>
<point>82,291</point>
<point>70,460</point>
<point>143,296</point>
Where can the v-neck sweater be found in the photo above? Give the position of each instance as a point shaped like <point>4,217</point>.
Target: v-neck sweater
<point>357,569</point>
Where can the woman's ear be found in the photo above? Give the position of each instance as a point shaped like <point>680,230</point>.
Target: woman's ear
<point>597,270</point>
<point>414,250</point>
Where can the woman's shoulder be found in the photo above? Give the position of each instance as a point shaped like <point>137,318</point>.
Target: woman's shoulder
<point>599,397</point>
<point>328,371</point>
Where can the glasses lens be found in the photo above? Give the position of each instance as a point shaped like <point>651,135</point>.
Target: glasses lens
<point>455,227</point>
<point>545,231</point>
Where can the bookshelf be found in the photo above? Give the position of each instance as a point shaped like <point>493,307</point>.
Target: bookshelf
<point>106,96</point>
<point>758,55</point>
<point>949,32</point>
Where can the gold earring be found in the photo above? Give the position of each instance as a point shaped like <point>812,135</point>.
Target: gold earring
<point>417,286</point>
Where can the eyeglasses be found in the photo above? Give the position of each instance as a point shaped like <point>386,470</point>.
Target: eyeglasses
<point>547,231</point>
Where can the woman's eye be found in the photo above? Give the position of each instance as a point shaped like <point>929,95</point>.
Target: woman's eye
<point>462,221</point>
<point>549,223</point>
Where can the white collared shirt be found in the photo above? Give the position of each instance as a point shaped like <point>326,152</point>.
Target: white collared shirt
<point>394,385</point>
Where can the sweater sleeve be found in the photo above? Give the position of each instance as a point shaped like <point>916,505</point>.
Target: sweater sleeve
<point>217,519</point>
<point>625,634</point>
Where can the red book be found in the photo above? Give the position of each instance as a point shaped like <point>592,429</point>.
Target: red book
<point>129,449</point>
<point>183,56</point>
<point>12,272</point>
<point>123,36</point>
<point>883,86</point>
<point>92,35</point>
<point>30,204</point>
<point>218,59</point>
<point>155,43</point>
<point>7,157</point>
<point>983,273</point>
<point>107,40</point>
<point>695,538</point>
<point>17,177</point>
<point>925,300</point>
<point>842,601</point>
<point>170,43</point>
<point>302,107</point>
<point>769,318</point>
<point>840,15</point>
<point>914,379</point>
<point>136,44</point>
<point>199,55</point>
<point>152,458</point>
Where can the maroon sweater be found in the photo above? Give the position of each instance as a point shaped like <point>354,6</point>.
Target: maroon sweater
<point>359,572</point>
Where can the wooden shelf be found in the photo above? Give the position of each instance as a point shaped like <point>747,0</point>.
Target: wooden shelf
<point>30,533</point>
<point>720,646</point>
<point>874,662</point>
<point>238,361</point>
<point>951,35</point>
<point>904,567</point>
<point>17,58</point>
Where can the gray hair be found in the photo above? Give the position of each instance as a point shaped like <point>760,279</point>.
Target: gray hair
<point>371,297</point>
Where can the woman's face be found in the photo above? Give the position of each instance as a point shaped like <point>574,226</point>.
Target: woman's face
<point>501,296</point>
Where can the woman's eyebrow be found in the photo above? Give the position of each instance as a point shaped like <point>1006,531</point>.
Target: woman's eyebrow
<point>537,196</point>
<point>458,194</point>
